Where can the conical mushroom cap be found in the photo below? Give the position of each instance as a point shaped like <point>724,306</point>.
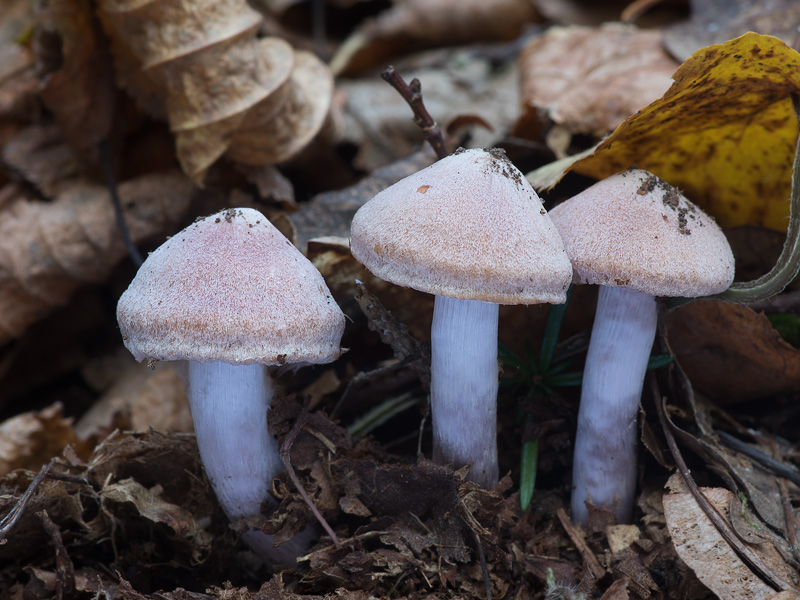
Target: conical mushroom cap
<point>470,227</point>
<point>634,230</point>
<point>230,288</point>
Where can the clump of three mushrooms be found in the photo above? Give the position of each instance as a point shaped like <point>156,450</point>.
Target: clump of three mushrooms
<point>228,297</point>
<point>230,294</point>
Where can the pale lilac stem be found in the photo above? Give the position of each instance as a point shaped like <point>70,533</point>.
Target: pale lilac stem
<point>464,386</point>
<point>229,407</point>
<point>604,463</point>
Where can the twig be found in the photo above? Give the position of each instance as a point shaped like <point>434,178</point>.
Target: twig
<point>318,33</point>
<point>286,448</point>
<point>777,467</point>
<point>744,553</point>
<point>482,557</point>
<point>111,182</point>
<point>788,515</point>
<point>7,522</point>
<point>591,560</point>
<point>412,94</point>
<point>65,571</point>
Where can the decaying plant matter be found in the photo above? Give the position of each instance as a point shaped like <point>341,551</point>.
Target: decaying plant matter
<point>223,91</point>
<point>48,250</point>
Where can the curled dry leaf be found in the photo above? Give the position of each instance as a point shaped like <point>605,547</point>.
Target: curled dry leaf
<point>221,89</point>
<point>419,24</point>
<point>703,549</point>
<point>40,155</point>
<point>29,440</point>
<point>76,82</point>
<point>47,250</point>
<point>140,398</point>
<point>589,80</point>
<point>151,507</point>
<point>724,133</point>
<point>732,353</point>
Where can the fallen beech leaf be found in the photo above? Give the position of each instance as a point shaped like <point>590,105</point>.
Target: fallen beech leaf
<point>617,591</point>
<point>42,157</point>
<point>702,548</point>
<point>225,91</point>
<point>590,80</point>
<point>715,21</point>
<point>47,250</point>
<point>29,440</point>
<point>142,397</point>
<point>732,353</point>
<point>724,133</point>
<point>77,87</point>
<point>153,508</point>
<point>622,536</point>
<point>415,25</point>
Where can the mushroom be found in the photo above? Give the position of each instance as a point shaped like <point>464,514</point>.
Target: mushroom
<point>637,237</point>
<point>228,296</point>
<point>471,230</point>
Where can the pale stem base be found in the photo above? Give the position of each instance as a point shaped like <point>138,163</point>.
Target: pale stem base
<point>464,386</point>
<point>229,407</point>
<point>604,464</point>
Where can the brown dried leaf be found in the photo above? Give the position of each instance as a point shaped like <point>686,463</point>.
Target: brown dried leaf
<point>617,591</point>
<point>418,24</point>
<point>76,79</point>
<point>224,89</point>
<point>31,439</point>
<point>47,250</point>
<point>154,459</point>
<point>153,508</point>
<point>40,155</point>
<point>590,80</point>
<point>731,352</point>
<point>141,398</point>
<point>716,21</point>
<point>621,537</point>
<point>701,546</point>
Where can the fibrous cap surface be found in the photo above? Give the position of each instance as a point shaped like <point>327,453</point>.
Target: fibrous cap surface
<point>635,230</point>
<point>470,227</point>
<point>230,288</point>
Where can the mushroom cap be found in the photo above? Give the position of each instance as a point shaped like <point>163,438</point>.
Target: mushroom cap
<point>230,288</point>
<point>634,230</point>
<point>470,227</point>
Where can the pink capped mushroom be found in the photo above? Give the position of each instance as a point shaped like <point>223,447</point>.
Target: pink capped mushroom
<point>228,297</point>
<point>636,237</point>
<point>471,230</point>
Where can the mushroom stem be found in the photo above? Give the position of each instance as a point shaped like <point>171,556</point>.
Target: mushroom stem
<point>464,386</point>
<point>604,463</point>
<point>229,406</point>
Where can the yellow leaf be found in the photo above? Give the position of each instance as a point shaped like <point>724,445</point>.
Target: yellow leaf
<point>724,133</point>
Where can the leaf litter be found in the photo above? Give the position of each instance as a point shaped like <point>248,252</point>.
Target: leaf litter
<point>130,515</point>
